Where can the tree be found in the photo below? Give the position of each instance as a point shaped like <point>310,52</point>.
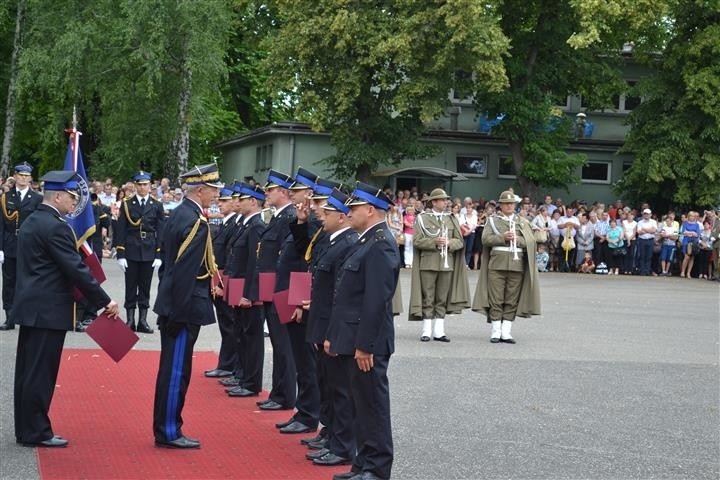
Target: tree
<point>9,131</point>
<point>676,129</point>
<point>373,73</point>
<point>559,48</point>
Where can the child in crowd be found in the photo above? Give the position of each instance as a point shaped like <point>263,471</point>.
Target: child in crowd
<point>542,258</point>
<point>587,266</point>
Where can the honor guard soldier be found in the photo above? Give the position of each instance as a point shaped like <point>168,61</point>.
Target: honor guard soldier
<point>508,284</point>
<point>361,331</point>
<point>49,267</point>
<point>338,442</point>
<point>227,357</point>
<point>17,204</point>
<point>439,284</point>
<point>248,315</point>
<point>292,259</point>
<point>139,227</point>
<point>283,392</point>
<point>183,301</point>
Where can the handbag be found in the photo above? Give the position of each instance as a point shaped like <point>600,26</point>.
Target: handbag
<point>690,249</point>
<point>465,229</point>
<point>400,238</point>
<point>541,236</point>
<point>619,252</point>
<point>568,243</point>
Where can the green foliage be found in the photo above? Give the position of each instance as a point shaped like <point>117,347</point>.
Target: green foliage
<point>676,130</point>
<point>372,73</point>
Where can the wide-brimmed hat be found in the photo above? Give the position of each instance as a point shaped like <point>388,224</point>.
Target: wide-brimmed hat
<point>508,197</point>
<point>437,194</point>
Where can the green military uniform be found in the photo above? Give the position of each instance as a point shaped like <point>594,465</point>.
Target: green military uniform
<point>438,286</point>
<point>507,287</point>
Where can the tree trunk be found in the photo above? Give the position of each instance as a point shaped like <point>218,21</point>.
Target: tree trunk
<point>178,161</point>
<point>9,131</point>
<point>527,186</point>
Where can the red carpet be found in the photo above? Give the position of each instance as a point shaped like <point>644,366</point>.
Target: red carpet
<point>105,410</point>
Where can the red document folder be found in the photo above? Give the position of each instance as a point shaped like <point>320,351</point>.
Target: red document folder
<point>284,311</point>
<point>266,282</point>
<point>217,280</point>
<point>225,282</point>
<point>235,288</point>
<point>96,271</point>
<point>113,336</point>
<point>300,283</point>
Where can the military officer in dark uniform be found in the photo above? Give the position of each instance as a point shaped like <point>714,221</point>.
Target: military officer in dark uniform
<point>17,205</point>
<point>183,301</point>
<point>283,392</point>
<point>139,228</point>
<point>49,267</point>
<point>228,356</point>
<point>361,331</point>
<point>334,381</point>
<point>248,314</point>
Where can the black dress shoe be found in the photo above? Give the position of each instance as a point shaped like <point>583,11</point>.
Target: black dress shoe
<point>231,381</point>
<point>318,454</point>
<point>494,340</point>
<point>285,424</point>
<point>262,402</point>
<point>507,340</point>
<point>6,326</point>
<point>345,475</point>
<point>319,445</point>
<point>180,442</point>
<point>424,338</point>
<point>444,338</point>
<point>217,373</point>
<point>316,438</point>
<point>331,460</point>
<point>242,392</point>
<point>297,427</point>
<point>54,442</point>
<point>272,405</point>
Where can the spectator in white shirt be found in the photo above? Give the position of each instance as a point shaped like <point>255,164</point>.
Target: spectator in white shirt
<point>468,224</point>
<point>646,229</point>
<point>629,226</point>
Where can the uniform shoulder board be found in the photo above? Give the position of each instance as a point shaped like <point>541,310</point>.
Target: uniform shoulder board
<point>380,234</point>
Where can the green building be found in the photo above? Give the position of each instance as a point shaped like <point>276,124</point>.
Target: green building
<point>471,161</point>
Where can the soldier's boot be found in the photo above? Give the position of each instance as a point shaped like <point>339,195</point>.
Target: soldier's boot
<point>505,336</point>
<point>130,318</point>
<point>495,332</point>
<point>426,330</point>
<point>439,331</point>
<point>143,326</point>
<point>9,323</point>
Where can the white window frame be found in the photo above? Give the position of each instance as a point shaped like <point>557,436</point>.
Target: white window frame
<point>608,178</point>
<point>479,156</point>
<point>501,159</point>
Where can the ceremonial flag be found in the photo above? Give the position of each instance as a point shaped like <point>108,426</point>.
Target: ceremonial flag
<point>82,220</point>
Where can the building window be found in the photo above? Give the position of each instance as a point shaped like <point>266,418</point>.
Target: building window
<point>505,167</point>
<point>472,165</point>
<point>596,172</point>
<point>562,102</point>
<point>626,102</point>
<point>263,158</point>
<point>626,166</point>
<point>459,95</point>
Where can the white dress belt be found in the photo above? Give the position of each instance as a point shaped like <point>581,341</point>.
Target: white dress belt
<point>508,249</point>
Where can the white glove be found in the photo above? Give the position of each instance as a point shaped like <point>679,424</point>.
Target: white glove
<point>122,262</point>
<point>156,263</point>
<point>2,257</point>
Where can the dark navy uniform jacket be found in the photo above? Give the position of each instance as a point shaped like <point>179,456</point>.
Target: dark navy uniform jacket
<point>362,305</point>
<point>9,204</point>
<point>139,229</point>
<point>221,240</point>
<point>271,242</point>
<point>102,219</point>
<point>244,255</point>
<point>49,266</point>
<point>184,290</point>
<point>324,270</point>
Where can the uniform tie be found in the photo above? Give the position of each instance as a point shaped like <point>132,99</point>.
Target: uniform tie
<point>142,202</point>
<point>308,252</point>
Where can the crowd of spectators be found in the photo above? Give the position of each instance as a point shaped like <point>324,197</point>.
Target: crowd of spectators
<point>585,238</point>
